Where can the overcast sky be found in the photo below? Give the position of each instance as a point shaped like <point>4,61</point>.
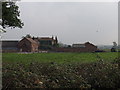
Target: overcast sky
<point>71,22</point>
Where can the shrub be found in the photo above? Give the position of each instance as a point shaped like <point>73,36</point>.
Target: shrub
<point>52,75</point>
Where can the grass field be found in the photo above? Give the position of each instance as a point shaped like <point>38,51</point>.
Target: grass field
<point>59,57</point>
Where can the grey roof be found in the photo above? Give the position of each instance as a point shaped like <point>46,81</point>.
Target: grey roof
<point>9,43</point>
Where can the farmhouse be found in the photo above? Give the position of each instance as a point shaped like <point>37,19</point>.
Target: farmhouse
<point>86,47</point>
<point>28,45</point>
<point>34,44</point>
<point>46,43</point>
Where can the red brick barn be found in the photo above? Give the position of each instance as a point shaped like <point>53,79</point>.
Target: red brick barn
<point>90,47</point>
<point>86,47</point>
<point>28,45</point>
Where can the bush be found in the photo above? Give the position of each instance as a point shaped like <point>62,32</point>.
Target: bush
<point>53,75</point>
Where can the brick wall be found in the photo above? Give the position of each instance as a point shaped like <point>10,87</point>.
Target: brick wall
<point>66,49</point>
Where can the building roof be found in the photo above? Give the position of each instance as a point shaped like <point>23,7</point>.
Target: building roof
<point>78,45</point>
<point>83,44</point>
<point>9,43</point>
<point>31,40</point>
<point>44,38</point>
<point>89,43</point>
<point>10,40</point>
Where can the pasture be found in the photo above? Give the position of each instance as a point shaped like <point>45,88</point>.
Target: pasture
<point>59,57</point>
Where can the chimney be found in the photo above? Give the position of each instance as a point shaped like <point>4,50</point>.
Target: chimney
<point>56,39</point>
<point>33,38</point>
<point>52,37</point>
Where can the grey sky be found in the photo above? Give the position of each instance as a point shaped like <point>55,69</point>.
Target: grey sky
<point>76,22</point>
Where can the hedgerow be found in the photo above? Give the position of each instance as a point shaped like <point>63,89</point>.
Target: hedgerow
<point>53,75</point>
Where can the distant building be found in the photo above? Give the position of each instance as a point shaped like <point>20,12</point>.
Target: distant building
<point>9,46</point>
<point>78,45</point>
<point>28,45</point>
<point>86,47</point>
<point>87,44</point>
<point>34,44</point>
<point>46,43</point>
<point>90,47</point>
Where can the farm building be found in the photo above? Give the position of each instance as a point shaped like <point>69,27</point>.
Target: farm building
<point>34,44</point>
<point>86,47</point>
<point>28,45</point>
<point>46,43</point>
<point>78,45</point>
<point>9,46</point>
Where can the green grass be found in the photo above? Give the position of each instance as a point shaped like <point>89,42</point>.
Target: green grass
<point>109,56</point>
<point>58,57</point>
